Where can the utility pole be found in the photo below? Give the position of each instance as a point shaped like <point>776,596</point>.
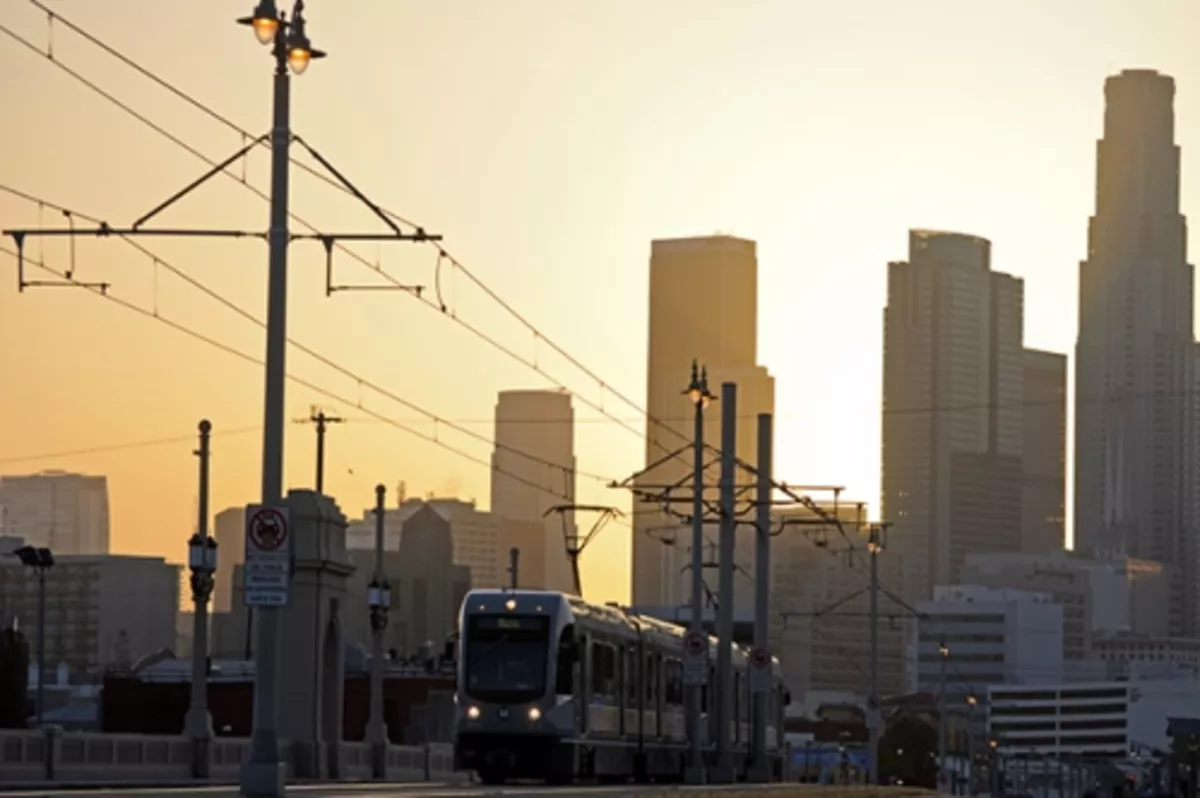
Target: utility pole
<point>724,685</point>
<point>874,719</point>
<point>514,561</point>
<point>943,656</point>
<point>318,418</point>
<point>761,768</point>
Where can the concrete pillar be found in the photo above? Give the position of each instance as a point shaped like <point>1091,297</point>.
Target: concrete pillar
<point>311,637</point>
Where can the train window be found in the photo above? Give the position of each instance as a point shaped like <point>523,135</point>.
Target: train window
<point>604,670</point>
<point>652,681</point>
<point>674,683</point>
<point>632,677</point>
<point>568,655</point>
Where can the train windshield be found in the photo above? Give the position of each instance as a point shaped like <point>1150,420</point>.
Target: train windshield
<point>505,656</point>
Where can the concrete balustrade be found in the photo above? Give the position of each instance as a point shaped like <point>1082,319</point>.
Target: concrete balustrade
<point>52,755</point>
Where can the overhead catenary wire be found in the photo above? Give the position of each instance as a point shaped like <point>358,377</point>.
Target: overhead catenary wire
<point>443,254</point>
<point>320,358</point>
<point>305,383</point>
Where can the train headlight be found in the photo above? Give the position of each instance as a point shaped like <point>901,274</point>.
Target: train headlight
<point>535,713</point>
<point>473,713</point>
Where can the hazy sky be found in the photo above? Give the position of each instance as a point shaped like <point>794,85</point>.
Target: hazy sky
<point>549,142</point>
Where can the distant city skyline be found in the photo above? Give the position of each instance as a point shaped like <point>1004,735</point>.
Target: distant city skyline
<point>828,191</point>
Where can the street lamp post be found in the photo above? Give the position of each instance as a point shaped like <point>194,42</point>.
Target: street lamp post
<point>697,391</point>
<point>265,774</point>
<point>202,561</point>
<point>379,601</point>
<point>40,560</point>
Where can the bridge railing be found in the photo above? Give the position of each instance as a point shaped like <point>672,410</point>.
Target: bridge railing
<point>52,755</point>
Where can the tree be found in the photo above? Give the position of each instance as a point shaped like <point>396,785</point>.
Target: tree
<point>14,680</point>
<point>908,753</point>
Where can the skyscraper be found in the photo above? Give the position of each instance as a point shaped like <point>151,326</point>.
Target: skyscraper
<point>533,469</point>
<point>952,407</point>
<point>704,307</point>
<point>1135,344</point>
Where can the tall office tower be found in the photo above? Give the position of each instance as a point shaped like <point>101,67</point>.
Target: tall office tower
<point>952,407</point>
<point>67,513</point>
<point>533,469</point>
<point>703,307</point>
<point>1044,455</point>
<point>1135,345</point>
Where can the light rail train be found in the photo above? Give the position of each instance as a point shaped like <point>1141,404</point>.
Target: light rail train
<point>552,687</point>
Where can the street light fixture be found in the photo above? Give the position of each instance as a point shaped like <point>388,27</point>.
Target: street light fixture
<point>40,560</point>
<point>379,600</point>
<point>202,561</point>
<point>291,42</point>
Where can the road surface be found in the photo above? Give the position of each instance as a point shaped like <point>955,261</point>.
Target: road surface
<point>420,790</point>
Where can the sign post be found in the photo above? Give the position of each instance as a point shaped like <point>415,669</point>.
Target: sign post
<point>695,658</point>
<point>760,671</point>
<point>267,572</point>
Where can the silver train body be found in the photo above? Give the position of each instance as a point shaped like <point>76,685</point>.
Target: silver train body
<point>552,687</point>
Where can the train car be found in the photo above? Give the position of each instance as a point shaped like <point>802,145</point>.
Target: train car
<point>551,687</point>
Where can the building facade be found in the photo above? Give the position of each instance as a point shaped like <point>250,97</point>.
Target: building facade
<point>952,407</point>
<point>1044,453</point>
<point>66,513</point>
<point>703,307</point>
<point>533,470</point>
<point>101,611</point>
<point>820,623</point>
<point>1135,347</point>
<point>991,636</point>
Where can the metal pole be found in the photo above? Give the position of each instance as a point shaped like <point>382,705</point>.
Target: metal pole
<point>725,582</point>
<point>321,453</point>
<point>265,774</point>
<point>695,769</point>
<point>762,590</point>
<point>873,714</point>
<point>377,734</point>
<point>199,721</point>
<point>41,654</point>
<point>943,776</point>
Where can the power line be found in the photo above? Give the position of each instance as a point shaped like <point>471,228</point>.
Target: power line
<point>199,336</point>
<point>320,358</point>
<point>117,447</point>
<point>443,254</point>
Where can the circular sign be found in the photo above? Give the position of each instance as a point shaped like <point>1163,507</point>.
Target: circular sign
<point>761,658</point>
<point>268,529</point>
<point>693,643</point>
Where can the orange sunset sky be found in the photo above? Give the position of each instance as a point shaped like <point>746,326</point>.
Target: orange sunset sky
<point>549,142</point>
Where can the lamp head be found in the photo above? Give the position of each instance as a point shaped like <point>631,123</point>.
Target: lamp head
<point>264,21</point>
<point>300,51</point>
